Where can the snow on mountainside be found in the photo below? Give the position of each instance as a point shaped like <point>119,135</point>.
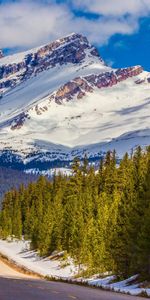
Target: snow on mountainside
<point>61,100</point>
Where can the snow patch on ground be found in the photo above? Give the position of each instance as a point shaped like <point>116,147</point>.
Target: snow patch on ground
<point>19,252</point>
<point>124,286</point>
<point>50,172</point>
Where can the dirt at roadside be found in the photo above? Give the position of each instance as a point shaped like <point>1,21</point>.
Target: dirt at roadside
<point>9,269</point>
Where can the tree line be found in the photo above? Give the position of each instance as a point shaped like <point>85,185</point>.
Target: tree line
<point>102,218</point>
<point>10,178</point>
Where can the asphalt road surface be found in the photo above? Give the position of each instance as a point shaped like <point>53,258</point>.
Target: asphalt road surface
<point>17,286</point>
<point>19,289</point>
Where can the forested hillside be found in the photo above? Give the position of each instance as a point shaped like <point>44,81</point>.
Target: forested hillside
<point>101,219</point>
<point>10,178</point>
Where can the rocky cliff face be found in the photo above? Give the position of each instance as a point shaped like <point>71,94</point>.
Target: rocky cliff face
<point>1,53</point>
<point>82,85</point>
<point>78,88</point>
<point>71,49</point>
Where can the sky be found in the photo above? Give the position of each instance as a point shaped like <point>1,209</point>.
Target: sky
<point>120,29</point>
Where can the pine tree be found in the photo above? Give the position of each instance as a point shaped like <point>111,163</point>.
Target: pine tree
<point>17,216</point>
<point>122,242</point>
<point>57,233</point>
<point>143,249</point>
<point>44,237</point>
<point>142,257</point>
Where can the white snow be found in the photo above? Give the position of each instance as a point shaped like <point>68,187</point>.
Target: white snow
<point>115,117</point>
<point>35,89</point>
<point>125,286</point>
<point>18,252</point>
<point>17,57</point>
<point>49,172</point>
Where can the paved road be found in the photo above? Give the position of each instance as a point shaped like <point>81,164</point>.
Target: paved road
<point>17,286</point>
<point>19,289</point>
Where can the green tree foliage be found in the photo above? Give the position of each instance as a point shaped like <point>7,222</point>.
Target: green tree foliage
<point>102,218</point>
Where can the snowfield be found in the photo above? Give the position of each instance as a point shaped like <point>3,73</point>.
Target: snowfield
<point>96,118</point>
<point>35,89</point>
<point>18,252</point>
<point>105,118</point>
<point>116,117</point>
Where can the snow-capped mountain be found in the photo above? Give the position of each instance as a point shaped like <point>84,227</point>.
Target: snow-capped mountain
<point>61,100</point>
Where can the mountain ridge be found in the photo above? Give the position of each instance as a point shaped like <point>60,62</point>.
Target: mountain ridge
<point>62,101</point>
<point>36,60</point>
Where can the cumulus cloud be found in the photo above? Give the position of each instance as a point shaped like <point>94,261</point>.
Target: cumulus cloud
<point>29,23</point>
<point>114,7</point>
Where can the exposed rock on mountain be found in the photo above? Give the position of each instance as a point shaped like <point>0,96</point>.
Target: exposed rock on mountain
<point>1,53</point>
<point>61,100</point>
<point>80,86</point>
<point>71,49</point>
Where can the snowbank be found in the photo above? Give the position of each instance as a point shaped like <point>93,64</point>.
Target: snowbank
<point>19,252</point>
<point>124,286</point>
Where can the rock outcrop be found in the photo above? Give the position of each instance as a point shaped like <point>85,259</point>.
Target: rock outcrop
<point>1,53</point>
<point>82,85</point>
<point>78,88</point>
<point>71,49</point>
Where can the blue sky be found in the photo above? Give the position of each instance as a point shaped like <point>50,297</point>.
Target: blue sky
<point>120,29</point>
<point>124,50</point>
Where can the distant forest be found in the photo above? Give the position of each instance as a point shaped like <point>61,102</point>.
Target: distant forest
<point>10,178</point>
<point>101,219</point>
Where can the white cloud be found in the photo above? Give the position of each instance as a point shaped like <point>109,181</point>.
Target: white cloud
<point>27,23</point>
<point>114,7</point>
<point>102,29</point>
<point>31,23</point>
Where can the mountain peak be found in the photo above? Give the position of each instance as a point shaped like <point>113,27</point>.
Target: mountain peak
<point>73,49</point>
<point>47,49</point>
<point>72,36</point>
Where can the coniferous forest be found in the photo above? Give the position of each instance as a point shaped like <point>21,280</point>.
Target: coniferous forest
<point>102,219</point>
<point>10,178</point>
